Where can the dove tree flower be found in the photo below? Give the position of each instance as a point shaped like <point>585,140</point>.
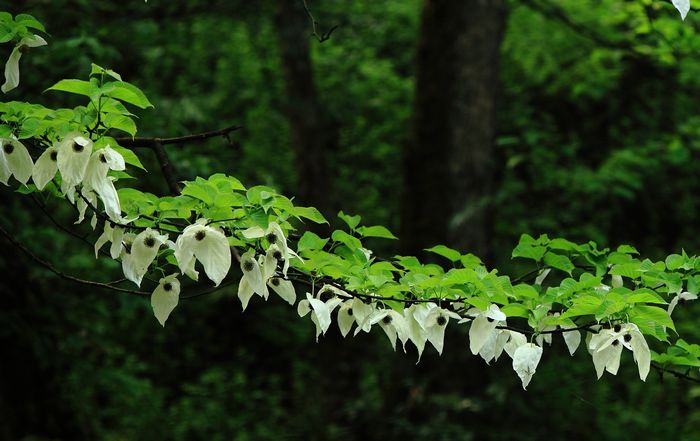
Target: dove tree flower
<point>12,64</point>
<point>484,325</point>
<point>393,324</point>
<point>165,297</point>
<point>14,161</point>
<point>321,308</point>
<point>45,167</point>
<point>96,179</point>
<point>525,361</point>
<point>253,281</point>
<point>606,349</point>
<point>115,235</point>
<point>143,250</point>
<point>680,298</point>
<point>275,237</point>
<point>207,244</point>
<point>353,311</point>
<point>427,322</point>
<point>74,153</point>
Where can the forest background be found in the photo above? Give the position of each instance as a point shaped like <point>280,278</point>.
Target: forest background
<point>461,122</point>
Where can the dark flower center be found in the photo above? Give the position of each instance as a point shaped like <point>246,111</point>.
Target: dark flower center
<point>277,255</point>
<point>350,311</point>
<point>9,148</point>
<point>271,237</point>
<point>275,281</point>
<point>617,328</point>
<point>627,338</point>
<point>326,296</point>
<point>681,301</point>
<point>103,159</point>
<point>53,155</point>
<point>442,321</point>
<point>77,147</point>
<point>489,319</point>
<point>200,235</point>
<point>386,320</point>
<point>127,248</point>
<point>167,287</point>
<point>149,242</point>
<point>248,265</point>
<point>616,342</point>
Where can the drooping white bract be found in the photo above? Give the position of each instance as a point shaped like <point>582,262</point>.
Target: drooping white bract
<point>525,361</point>
<point>14,161</point>
<point>74,153</point>
<point>86,198</point>
<point>45,167</point>
<point>321,311</point>
<point>253,281</point>
<point>144,249</point>
<point>275,237</point>
<point>432,321</point>
<point>115,235</point>
<point>207,244</point>
<point>354,311</point>
<point>606,349</point>
<point>96,179</point>
<point>393,324</point>
<point>680,298</point>
<point>483,326</point>
<point>683,7</point>
<point>496,343</point>
<point>165,297</point>
<point>572,337</point>
<point>12,65</point>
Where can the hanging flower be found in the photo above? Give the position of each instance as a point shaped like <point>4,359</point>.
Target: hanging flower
<point>14,160</point>
<point>572,337</point>
<point>165,297</point>
<point>680,298</point>
<point>606,349</point>
<point>431,321</point>
<point>252,281</point>
<point>393,324</point>
<point>12,65</point>
<point>115,235</point>
<point>207,244</point>
<point>353,311</point>
<point>525,361</point>
<point>86,198</point>
<point>483,326</point>
<point>45,167</point>
<point>74,153</point>
<point>141,254</point>
<point>275,237</point>
<point>322,307</point>
<point>96,179</point>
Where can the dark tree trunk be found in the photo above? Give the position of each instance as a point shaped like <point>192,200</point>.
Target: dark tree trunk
<point>313,134</point>
<point>448,160</point>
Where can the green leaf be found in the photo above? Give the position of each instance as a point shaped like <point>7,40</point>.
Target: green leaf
<point>311,241</point>
<point>99,70</point>
<point>674,261</point>
<point>651,320</point>
<point>78,87</point>
<point>119,122</point>
<point>446,252</point>
<point>128,155</point>
<point>559,262</point>
<point>309,213</point>
<point>28,21</point>
<point>376,231</point>
<point>352,221</point>
<point>528,251</point>
<point>128,93</point>
<point>345,238</point>
<point>515,310</point>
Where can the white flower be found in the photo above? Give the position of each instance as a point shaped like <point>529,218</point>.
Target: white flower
<point>87,197</point>
<point>144,249</point>
<point>252,281</point>
<point>165,297</point>
<point>606,349</point>
<point>207,244</point>
<point>12,65</point>
<point>432,322</point>
<point>680,298</point>
<point>321,316</point>
<point>354,311</point>
<point>96,179</point>
<point>74,153</point>
<point>572,338</point>
<point>483,325</point>
<point>115,235</point>
<point>393,324</point>
<point>683,7</point>
<point>275,237</point>
<point>525,361</point>
<point>45,167</point>
<point>14,160</point>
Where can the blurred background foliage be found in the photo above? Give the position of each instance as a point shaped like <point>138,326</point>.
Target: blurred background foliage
<point>598,115</point>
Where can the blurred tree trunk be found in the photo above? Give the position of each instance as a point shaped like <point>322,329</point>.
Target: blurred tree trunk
<point>312,132</point>
<point>448,159</point>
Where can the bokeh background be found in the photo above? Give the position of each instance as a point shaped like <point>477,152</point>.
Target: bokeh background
<point>464,122</point>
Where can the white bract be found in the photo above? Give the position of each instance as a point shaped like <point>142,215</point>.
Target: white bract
<point>144,249</point>
<point>45,167</point>
<point>165,297</point>
<point>484,326</point>
<point>74,153</point>
<point>680,298</point>
<point>207,244</point>
<point>12,64</point>
<point>572,337</point>
<point>96,179</point>
<point>427,321</point>
<point>275,237</point>
<point>321,311</point>
<point>606,349</point>
<point>393,324</point>
<point>525,361</point>
<point>252,281</point>
<point>683,7</point>
<point>354,311</point>
<point>14,161</point>
<point>115,235</point>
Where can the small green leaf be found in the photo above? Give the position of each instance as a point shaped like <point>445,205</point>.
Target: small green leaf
<point>78,87</point>
<point>128,93</point>
<point>559,262</point>
<point>352,221</point>
<point>446,252</point>
<point>309,213</point>
<point>311,241</point>
<point>376,231</point>
<point>28,21</point>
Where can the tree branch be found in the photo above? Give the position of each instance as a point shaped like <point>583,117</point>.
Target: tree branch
<point>152,142</point>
